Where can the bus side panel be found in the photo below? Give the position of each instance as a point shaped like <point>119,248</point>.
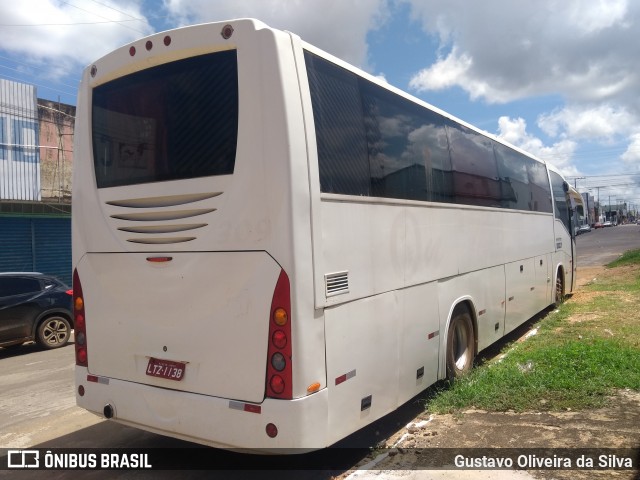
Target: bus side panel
<point>366,240</point>
<point>419,340</point>
<point>521,295</point>
<point>381,352</point>
<point>543,279</point>
<point>485,291</point>
<point>565,248</point>
<point>362,361</point>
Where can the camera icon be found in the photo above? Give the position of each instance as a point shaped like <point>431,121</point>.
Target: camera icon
<point>23,459</point>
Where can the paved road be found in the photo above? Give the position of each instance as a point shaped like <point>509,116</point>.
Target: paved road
<point>37,406</point>
<point>599,247</point>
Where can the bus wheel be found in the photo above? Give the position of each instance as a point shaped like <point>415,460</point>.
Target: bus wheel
<point>559,295</point>
<point>460,344</point>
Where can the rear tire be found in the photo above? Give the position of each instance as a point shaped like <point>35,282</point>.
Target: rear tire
<point>53,332</point>
<point>460,344</point>
<point>559,291</point>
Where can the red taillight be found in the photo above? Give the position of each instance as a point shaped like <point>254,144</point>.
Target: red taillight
<point>279,372</point>
<point>69,292</point>
<point>79,322</point>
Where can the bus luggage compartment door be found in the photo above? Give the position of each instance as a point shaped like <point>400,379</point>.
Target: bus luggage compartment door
<point>206,312</point>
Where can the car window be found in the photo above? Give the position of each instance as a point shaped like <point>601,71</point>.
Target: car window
<point>10,286</point>
<point>49,283</point>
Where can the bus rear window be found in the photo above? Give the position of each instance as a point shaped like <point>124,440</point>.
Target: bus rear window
<point>174,121</point>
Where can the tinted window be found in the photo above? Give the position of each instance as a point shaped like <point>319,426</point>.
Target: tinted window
<point>340,132</point>
<point>373,142</point>
<point>173,121</point>
<point>475,172</point>
<point>540,190</point>
<point>10,286</point>
<point>514,178</point>
<point>408,147</point>
<point>523,181</point>
<point>560,200</point>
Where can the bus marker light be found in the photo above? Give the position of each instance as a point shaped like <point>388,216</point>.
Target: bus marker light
<point>280,316</point>
<point>167,41</point>
<point>279,339</point>
<point>159,259</point>
<point>277,384</point>
<point>227,31</point>
<point>271,430</point>
<point>148,45</point>
<point>313,388</point>
<point>132,51</point>
<point>81,356</point>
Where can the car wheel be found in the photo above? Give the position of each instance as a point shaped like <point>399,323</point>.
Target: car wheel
<point>460,344</point>
<point>53,332</point>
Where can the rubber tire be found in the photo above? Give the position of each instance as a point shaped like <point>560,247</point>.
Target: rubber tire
<point>559,291</point>
<point>53,332</point>
<point>460,344</point>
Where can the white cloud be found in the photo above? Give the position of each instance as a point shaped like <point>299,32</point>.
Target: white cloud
<point>445,73</point>
<point>603,122</point>
<point>63,36</point>
<point>559,154</point>
<point>631,156</point>
<point>579,49</point>
<point>337,26</point>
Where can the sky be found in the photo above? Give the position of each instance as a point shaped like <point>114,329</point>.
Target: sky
<point>559,79</point>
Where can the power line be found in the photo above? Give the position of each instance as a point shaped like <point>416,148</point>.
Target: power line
<point>65,24</point>
<point>30,66</point>
<point>101,16</point>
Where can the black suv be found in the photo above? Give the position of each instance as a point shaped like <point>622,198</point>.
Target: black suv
<point>34,306</point>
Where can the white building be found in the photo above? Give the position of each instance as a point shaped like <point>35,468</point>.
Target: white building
<point>19,152</point>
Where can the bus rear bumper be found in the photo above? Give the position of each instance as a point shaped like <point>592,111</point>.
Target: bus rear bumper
<point>217,422</point>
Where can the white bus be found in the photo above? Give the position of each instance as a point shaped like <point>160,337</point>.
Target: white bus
<point>272,248</point>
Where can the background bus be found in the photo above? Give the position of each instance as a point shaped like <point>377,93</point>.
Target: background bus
<point>272,248</point>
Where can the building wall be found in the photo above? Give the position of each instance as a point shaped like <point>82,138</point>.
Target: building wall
<point>57,123</point>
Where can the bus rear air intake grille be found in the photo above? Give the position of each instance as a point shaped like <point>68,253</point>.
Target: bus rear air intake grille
<point>157,221</point>
<point>165,201</point>
<point>162,215</point>
<point>336,283</point>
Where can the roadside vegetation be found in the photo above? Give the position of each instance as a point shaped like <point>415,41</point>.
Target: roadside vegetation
<point>580,355</point>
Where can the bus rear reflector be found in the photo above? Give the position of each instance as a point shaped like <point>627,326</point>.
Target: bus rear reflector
<point>279,369</point>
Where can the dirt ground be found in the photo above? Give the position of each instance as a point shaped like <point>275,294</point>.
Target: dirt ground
<point>615,426</point>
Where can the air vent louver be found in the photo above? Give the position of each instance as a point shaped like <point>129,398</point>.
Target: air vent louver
<point>336,283</point>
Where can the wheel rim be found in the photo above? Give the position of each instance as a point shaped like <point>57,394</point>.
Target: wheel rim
<point>558,289</point>
<point>460,345</point>
<point>55,332</point>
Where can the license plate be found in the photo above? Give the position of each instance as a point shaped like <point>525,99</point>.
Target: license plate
<point>165,369</point>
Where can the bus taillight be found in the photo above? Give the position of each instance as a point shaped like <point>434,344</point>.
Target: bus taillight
<point>279,376</point>
<point>79,322</point>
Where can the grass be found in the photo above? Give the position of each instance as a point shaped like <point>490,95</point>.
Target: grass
<point>582,353</point>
